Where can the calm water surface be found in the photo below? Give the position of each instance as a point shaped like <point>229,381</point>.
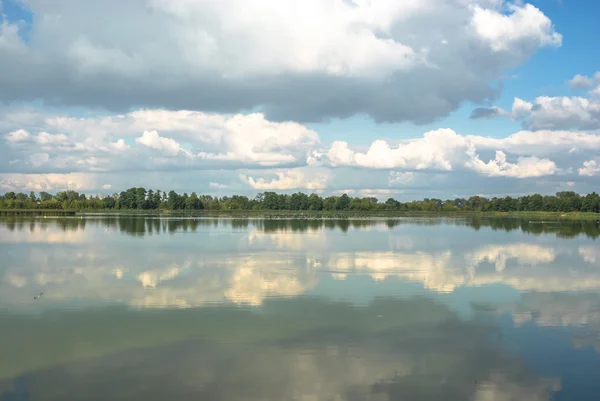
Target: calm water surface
<point>143,308</point>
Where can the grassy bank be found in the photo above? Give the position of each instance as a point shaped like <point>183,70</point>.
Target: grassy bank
<point>36,212</point>
<point>345,214</point>
<point>304,214</point>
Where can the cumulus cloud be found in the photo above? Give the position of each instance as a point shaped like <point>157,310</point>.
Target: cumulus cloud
<point>432,151</point>
<point>289,179</point>
<point>442,150</point>
<point>590,168</point>
<point>153,143</point>
<point>199,140</point>
<point>523,168</point>
<point>551,113</point>
<point>19,135</point>
<point>404,61</point>
<point>581,82</point>
<point>169,146</point>
<point>557,113</point>
<point>45,182</point>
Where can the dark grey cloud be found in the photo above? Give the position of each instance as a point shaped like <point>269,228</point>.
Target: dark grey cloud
<point>183,56</point>
<point>485,112</point>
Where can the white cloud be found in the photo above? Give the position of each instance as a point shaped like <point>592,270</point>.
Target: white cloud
<point>106,186</point>
<point>177,142</point>
<point>551,113</point>
<point>430,152</point>
<point>45,182</point>
<point>526,25</point>
<point>217,185</point>
<point>444,150</point>
<point>152,140</point>
<point>400,178</point>
<point>500,167</point>
<point>581,82</point>
<point>590,168</point>
<point>120,145</point>
<point>564,113</point>
<point>378,193</point>
<point>44,138</point>
<point>210,139</point>
<point>289,179</point>
<point>521,108</point>
<point>409,60</point>
<point>17,136</point>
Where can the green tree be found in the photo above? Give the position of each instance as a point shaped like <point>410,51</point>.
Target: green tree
<point>315,202</point>
<point>591,203</point>
<point>343,202</point>
<point>45,196</point>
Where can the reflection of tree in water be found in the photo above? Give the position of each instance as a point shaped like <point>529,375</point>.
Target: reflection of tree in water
<point>16,390</point>
<point>303,349</point>
<point>144,225</point>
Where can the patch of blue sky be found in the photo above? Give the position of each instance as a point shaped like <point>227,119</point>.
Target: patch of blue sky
<point>15,11</point>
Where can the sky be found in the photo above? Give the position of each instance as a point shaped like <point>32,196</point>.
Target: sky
<point>405,99</point>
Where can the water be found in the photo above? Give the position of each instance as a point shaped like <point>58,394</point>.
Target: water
<point>143,308</point>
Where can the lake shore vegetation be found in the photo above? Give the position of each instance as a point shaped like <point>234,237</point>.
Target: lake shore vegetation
<point>141,200</point>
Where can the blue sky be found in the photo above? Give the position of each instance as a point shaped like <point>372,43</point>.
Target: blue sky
<point>369,98</point>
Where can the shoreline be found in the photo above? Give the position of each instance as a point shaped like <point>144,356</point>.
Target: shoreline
<point>300,214</point>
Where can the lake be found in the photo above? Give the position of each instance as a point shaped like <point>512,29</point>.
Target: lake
<point>150,308</point>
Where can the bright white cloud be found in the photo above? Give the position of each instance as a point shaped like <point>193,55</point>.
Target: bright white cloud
<point>19,135</point>
<point>210,139</point>
<point>590,168</point>
<point>156,141</point>
<point>441,150</point>
<point>430,152</point>
<point>152,140</point>
<point>499,167</point>
<point>526,25</point>
<point>289,179</point>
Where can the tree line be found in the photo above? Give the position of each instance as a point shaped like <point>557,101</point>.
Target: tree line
<point>142,199</point>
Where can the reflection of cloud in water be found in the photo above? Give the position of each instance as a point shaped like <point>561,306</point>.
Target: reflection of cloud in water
<point>96,275</point>
<point>310,239</point>
<point>590,254</point>
<point>151,278</point>
<point>533,268</point>
<point>421,351</point>
<point>255,265</point>
<point>426,267</point>
<point>578,311</point>
<point>47,234</point>
<point>524,254</point>
<point>497,388</point>
<point>250,285</point>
